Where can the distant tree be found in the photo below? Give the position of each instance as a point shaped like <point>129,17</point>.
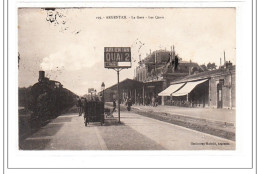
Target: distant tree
<point>211,66</point>
<point>203,67</point>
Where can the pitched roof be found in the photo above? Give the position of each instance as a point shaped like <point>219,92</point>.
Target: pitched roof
<point>203,75</point>
<point>126,83</point>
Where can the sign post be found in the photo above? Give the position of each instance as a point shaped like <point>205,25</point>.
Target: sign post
<point>90,91</point>
<point>117,58</point>
<point>118,96</point>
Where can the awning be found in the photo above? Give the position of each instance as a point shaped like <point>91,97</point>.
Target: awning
<point>168,91</point>
<point>188,87</point>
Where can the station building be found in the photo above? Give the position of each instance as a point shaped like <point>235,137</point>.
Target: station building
<point>216,89</point>
<point>156,72</point>
<point>188,86</point>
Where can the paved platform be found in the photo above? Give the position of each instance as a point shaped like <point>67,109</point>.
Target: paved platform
<point>68,132</point>
<point>218,122</point>
<point>173,137</point>
<point>221,115</point>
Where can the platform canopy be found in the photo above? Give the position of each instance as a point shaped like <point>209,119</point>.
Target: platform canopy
<point>188,87</point>
<point>171,89</point>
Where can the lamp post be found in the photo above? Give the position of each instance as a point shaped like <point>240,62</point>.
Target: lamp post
<point>103,89</point>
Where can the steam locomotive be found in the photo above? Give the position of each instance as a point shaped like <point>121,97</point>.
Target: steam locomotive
<point>49,99</point>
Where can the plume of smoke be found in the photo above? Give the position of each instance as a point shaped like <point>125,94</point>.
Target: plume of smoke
<point>72,58</point>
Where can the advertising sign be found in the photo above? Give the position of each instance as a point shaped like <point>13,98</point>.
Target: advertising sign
<point>117,57</point>
<point>91,90</point>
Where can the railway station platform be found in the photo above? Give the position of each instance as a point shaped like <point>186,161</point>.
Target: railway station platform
<point>213,114</point>
<point>218,122</point>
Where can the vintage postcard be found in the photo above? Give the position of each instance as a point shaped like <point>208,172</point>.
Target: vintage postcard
<point>133,85</point>
<point>127,78</point>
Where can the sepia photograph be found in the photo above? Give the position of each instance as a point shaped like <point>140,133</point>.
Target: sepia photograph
<point>126,78</point>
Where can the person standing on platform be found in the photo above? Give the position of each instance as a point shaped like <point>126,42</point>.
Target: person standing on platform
<point>129,103</point>
<point>79,105</point>
<point>156,101</point>
<point>85,104</point>
<point>114,107</point>
<point>153,101</point>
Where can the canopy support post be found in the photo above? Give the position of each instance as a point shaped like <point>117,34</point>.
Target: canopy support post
<point>162,100</point>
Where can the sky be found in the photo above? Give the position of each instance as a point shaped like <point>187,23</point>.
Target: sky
<point>70,49</point>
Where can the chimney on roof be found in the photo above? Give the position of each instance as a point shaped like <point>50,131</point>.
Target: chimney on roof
<point>224,58</point>
<point>41,76</point>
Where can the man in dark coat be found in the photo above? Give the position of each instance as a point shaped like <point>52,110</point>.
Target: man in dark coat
<point>114,107</point>
<point>129,103</point>
<point>86,114</point>
<point>79,105</point>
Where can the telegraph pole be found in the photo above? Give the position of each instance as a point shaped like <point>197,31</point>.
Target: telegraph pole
<point>118,95</point>
<point>155,63</point>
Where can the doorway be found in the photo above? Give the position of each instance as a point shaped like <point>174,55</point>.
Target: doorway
<point>219,96</point>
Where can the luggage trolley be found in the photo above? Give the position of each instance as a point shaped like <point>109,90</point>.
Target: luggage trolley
<point>94,112</point>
